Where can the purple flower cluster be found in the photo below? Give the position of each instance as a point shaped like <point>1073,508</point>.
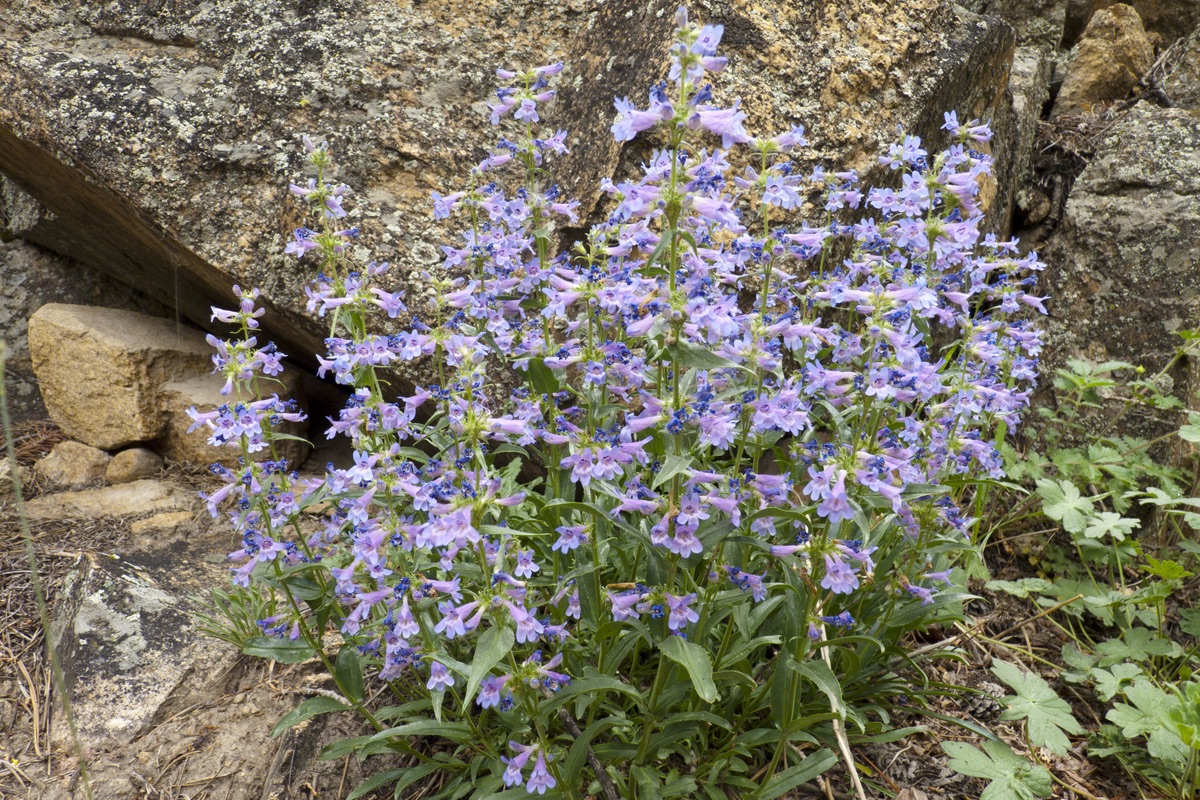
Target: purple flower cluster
<point>700,367</point>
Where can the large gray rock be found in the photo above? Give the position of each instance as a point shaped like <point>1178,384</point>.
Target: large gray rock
<point>1182,83</point>
<point>156,140</point>
<point>126,633</point>
<point>1124,271</point>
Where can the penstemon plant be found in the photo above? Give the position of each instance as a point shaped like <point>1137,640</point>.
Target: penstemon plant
<point>679,491</point>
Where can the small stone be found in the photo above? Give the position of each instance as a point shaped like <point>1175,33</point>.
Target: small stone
<point>6,479</point>
<point>72,465</point>
<point>133,465</point>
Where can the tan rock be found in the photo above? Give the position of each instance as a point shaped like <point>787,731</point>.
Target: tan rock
<point>133,464</point>
<point>1112,55</point>
<point>204,393</point>
<point>1169,19</point>
<point>127,499</point>
<point>72,465</point>
<point>100,370</point>
<point>166,524</point>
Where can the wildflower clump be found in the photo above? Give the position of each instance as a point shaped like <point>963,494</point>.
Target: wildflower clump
<point>679,489</point>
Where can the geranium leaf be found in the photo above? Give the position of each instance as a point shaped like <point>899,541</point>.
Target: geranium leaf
<point>1062,502</point>
<point>1047,716</point>
<point>1012,777</point>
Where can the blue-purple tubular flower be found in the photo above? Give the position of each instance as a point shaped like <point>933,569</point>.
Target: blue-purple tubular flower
<point>699,408</point>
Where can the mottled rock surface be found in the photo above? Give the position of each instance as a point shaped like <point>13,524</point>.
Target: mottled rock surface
<point>1182,84</point>
<point>1036,22</point>
<point>157,140</point>
<point>127,639</point>
<point>1125,270</point>
<point>72,465</point>
<point>1112,54</point>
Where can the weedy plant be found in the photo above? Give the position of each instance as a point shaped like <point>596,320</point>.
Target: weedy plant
<point>1130,522</point>
<point>661,523</point>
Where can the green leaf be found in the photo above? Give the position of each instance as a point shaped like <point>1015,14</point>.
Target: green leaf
<point>664,242</point>
<point>493,646</point>
<point>1107,523</point>
<point>361,746</point>
<point>691,355</point>
<point>808,769</point>
<point>577,755</point>
<point>307,710</point>
<point>1191,431</point>
<point>674,465</point>
<point>412,775</point>
<point>594,684</point>
<point>694,659</point>
<point>1012,777</point>
<point>348,670</point>
<point>1166,569</point>
<point>1191,621</point>
<point>1112,680</point>
<point>648,784</point>
<point>454,731</point>
<point>375,781</point>
<point>1150,716</point>
<point>1062,502</point>
<point>284,651</point>
<point>822,677</point>
<point>542,378</point>
<point>1046,715</point>
<point>1136,644</point>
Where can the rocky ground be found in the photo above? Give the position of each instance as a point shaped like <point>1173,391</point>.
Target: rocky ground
<point>161,711</point>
